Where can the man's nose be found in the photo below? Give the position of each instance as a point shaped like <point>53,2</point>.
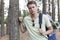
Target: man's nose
<point>32,9</point>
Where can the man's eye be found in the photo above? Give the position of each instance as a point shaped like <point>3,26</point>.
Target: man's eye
<point>29,8</point>
<point>32,7</point>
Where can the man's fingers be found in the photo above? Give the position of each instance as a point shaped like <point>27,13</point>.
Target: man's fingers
<point>20,18</point>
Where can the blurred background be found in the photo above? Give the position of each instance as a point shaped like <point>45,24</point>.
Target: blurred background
<point>10,10</point>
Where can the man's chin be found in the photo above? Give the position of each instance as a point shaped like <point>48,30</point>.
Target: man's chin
<point>32,13</point>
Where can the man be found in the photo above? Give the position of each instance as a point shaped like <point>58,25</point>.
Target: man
<point>31,23</point>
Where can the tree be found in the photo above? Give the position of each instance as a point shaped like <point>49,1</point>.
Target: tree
<point>44,6</point>
<point>2,18</point>
<point>49,6</point>
<point>53,10</point>
<point>13,25</point>
<point>58,10</point>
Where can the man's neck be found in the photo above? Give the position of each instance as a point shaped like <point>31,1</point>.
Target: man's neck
<point>35,15</point>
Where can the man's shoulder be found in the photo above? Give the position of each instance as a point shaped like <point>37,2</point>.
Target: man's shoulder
<point>27,17</point>
<point>45,15</point>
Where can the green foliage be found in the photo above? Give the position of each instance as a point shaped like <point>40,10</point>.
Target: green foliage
<point>25,13</point>
<point>39,11</point>
<point>39,0</point>
<point>5,21</point>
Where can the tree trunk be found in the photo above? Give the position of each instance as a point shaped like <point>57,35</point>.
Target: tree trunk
<point>53,10</point>
<point>14,33</point>
<point>2,18</point>
<point>44,6</point>
<point>7,26</point>
<point>49,10</point>
<point>49,5</point>
<point>59,11</point>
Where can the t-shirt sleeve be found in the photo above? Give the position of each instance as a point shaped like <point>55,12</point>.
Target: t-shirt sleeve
<point>47,21</point>
<point>25,21</point>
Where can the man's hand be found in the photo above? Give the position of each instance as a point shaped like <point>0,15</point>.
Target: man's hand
<point>20,19</point>
<point>22,26</point>
<point>42,32</point>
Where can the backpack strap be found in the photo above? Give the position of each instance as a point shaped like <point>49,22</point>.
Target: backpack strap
<point>40,19</point>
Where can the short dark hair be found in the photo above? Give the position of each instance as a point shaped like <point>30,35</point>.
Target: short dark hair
<point>31,2</point>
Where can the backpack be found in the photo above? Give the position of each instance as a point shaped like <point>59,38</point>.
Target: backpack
<point>52,36</point>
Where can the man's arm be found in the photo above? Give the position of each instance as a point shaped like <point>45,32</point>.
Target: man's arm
<point>22,26</point>
<point>49,27</point>
<point>49,31</point>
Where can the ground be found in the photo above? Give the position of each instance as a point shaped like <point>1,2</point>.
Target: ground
<point>24,36</point>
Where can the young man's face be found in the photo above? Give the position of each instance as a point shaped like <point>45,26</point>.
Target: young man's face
<point>32,8</point>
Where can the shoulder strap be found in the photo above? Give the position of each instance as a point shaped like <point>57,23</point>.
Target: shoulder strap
<point>40,19</point>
